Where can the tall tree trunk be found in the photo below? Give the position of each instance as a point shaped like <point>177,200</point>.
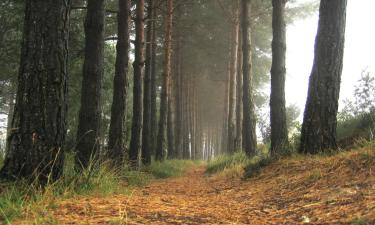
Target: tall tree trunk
<point>249,121</point>
<point>320,117</point>
<point>232,86</point>
<point>146,132</point>
<point>178,94</point>
<point>89,115</point>
<point>138,64</point>
<point>279,132</point>
<point>153,109</point>
<point>116,141</point>
<point>166,76</point>
<point>34,149</point>
<point>239,103</point>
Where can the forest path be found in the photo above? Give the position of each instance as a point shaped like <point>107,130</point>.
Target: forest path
<point>335,190</point>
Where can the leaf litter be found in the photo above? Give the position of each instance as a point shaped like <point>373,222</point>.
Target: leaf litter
<point>313,190</point>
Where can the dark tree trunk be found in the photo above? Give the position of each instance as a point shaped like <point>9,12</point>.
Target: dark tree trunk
<point>319,122</point>
<point>165,90</point>
<point>279,132</point>
<point>89,116</point>
<point>138,64</point>
<point>146,132</point>
<point>35,144</point>
<point>116,141</point>
<point>153,112</point>
<point>249,121</point>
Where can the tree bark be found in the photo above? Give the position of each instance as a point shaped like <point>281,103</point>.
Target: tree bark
<point>320,117</point>
<point>279,132</point>
<point>153,112</point>
<point>249,121</point>
<point>138,64</point>
<point>165,90</point>
<point>146,132</point>
<point>89,115</point>
<point>116,140</point>
<point>34,149</point>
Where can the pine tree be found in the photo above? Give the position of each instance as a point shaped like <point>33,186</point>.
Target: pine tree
<point>38,127</point>
<point>279,132</point>
<point>116,139</point>
<point>320,117</point>
<point>138,64</point>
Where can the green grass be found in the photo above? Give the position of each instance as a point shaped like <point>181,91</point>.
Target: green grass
<point>170,168</point>
<point>238,165</point>
<point>99,179</point>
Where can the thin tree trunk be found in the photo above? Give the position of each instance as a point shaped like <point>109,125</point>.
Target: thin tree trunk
<point>170,124</point>
<point>249,121</point>
<point>146,132</point>
<point>178,95</point>
<point>153,109</point>
<point>138,64</point>
<point>116,140</point>
<point>239,89</point>
<point>166,76</point>
<point>232,87</point>
<point>320,118</point>
<point>35,144</point>
<point>279,132</point>
<point>88,133</point>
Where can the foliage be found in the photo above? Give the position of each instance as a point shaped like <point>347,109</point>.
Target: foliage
<point>364,98</point>
<point>357,118</point>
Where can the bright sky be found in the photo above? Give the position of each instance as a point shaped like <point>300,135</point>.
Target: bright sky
<point>359,51</point>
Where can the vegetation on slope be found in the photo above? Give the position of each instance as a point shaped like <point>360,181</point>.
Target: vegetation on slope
<point>99,179</point>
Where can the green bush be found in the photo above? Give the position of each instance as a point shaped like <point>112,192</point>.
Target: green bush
<point>354,127</point>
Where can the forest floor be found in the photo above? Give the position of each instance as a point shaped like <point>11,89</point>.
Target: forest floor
<point>336,189</point>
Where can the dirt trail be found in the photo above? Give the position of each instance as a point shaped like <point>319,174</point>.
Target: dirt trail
<point>332,191</point>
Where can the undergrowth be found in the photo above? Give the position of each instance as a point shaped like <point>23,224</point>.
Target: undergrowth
<point>237,165</point>
<point>21,198</point>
